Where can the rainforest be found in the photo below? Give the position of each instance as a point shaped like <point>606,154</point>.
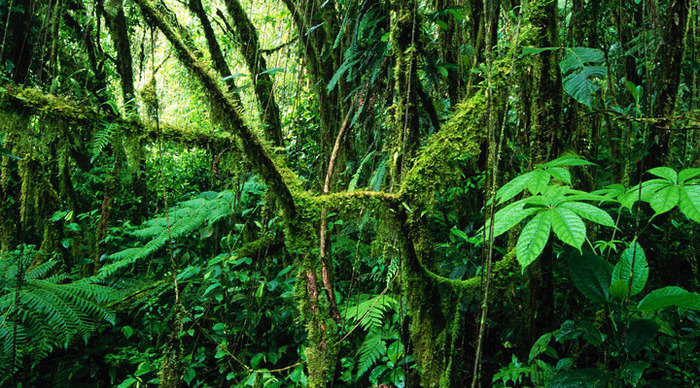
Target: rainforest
<point>350,193</point>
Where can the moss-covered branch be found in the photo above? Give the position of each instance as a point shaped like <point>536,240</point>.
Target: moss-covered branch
<point>459,139</point>
<point>34,102</point>
<point>250,48</point>
<point>225,110</point>
<point>264,246</point>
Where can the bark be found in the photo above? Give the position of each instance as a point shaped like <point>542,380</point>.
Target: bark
<point>545,133</point>
<point>406,121</point>
<point>116,23</point>
<point>451,41</point>
<point>668,79</point>
<point>18,41</point>
<point>96,84</point>
<point>250,48</point>
<point>321,60</point>
<point>224,109</point>
<point>217,55</point>
<point>31,102</point>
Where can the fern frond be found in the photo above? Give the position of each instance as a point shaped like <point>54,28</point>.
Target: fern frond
<point>370,351</point>
<point>185,218</point>
<point>102,139</point>
<point>40,270</point>
<point>45,313</point>
<point>370,310</point>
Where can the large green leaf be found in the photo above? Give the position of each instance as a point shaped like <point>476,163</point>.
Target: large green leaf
<point>577,57</point>
<point>568,226</point>
<point>555,194</point>
<point>540,346</point>
<point>690,202</point>
<point>533,238</point>
<point>580,86</point>
<point>591,333</point>
<point>514,187</point>
<point>579,67</point>
<point>632,268</point>
<point>590,212</point>
<point>669,296</point>
<point>539,179</point>
<point>639,334</point>
<point>560,173</point>
<point>590,274</point>
<point>510,216</point>
<point>579,378</point>
<point>688,174</point>
<point>567,161</point>
<point>664,172</point>
<point>665,199</point>
<point>633,371</point>
<point>650,187</point>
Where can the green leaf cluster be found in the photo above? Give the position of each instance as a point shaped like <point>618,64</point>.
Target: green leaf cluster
<point>552,206</point>
<point>669,190</point>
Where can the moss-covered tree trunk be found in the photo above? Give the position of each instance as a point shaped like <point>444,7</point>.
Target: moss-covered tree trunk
<point>318,26</point>
<point>668,80</point>
<point>406,132</point>
<point>116,23</point>
<point>217,56</point>
<point>19,41</point>
<point>257,66</point>
<point>451,45</point>
<point>545,134</point>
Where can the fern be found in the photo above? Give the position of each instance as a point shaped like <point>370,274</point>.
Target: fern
<point>356,176</point>
<point>185,218</point>
<point>102,139</point>
<point>370,310</point>
<point>370,351</point>
<point>46,311</point>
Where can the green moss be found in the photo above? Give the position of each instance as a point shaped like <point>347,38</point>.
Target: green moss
<point>459,139</point>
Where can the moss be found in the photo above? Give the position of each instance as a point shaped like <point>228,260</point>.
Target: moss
<point>459,139</point>
<point>322,332</point>
<point>64,112</point>
<point>352,203</point>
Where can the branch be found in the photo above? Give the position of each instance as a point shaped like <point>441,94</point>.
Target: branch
<point>257,151</point>
<point>35,102</point>
<point>280,46</point>
<point>460,138</point>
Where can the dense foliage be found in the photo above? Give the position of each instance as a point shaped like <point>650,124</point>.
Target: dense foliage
<point>343,193</point>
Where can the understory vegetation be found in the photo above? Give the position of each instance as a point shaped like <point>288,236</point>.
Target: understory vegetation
<point>349,193</point>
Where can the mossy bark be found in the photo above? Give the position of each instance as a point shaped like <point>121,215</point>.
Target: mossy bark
<point>406,133</point>
<point>451,41</point>
<point>668,80</point>
<point>20,48</point>
<point>217,56</point>
<point>317,25</point>
<point>116,23</point>
<point>257,66</point>
<point>226,113</point>
<point>544,145</point>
